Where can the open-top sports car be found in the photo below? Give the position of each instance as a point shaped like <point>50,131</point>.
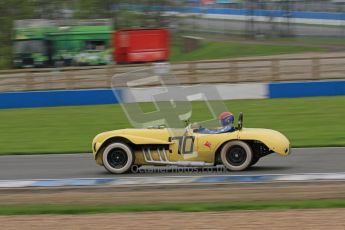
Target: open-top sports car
<point>119,150</point>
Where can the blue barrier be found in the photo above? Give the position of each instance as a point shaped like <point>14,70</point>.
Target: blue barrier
<point>57,98</point>
<point>306,89</point>
<point>106,96</point>
<point>243,12</point>
<point>270,13</point>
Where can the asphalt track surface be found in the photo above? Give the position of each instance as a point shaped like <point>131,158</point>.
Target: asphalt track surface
<point>59,166</point>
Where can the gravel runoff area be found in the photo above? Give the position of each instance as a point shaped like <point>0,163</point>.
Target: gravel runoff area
<point>273,219</point>
<point>283,219</point>
<point>174,193</point>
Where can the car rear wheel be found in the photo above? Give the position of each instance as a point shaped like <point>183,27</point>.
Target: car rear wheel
<point>118,158</point>
<point>236,155</point>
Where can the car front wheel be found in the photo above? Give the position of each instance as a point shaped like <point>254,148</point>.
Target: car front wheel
<point>118,158</point>
<point>236,155</point>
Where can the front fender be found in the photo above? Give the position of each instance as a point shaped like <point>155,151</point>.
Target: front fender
<point>274,140</point>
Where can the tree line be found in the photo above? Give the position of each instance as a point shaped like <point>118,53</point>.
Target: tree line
<point>11,10</point>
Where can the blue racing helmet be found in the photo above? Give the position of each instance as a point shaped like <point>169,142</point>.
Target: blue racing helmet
<point>226,118</point>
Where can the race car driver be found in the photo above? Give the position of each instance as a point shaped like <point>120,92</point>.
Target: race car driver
<point>226,120</point>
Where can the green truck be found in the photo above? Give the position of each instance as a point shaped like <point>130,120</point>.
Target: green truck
<point>45,43</point>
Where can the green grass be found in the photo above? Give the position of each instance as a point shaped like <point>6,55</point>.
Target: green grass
<point>180,207</point>
<point>313,40</point>
<point>219,50</point>
<point>314,121</point>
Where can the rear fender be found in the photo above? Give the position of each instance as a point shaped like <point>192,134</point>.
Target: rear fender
<point>101,142</point>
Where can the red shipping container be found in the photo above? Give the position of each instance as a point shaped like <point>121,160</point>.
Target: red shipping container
<point>141,45</point>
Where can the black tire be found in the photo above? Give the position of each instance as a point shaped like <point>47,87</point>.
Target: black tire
<point>118,158</point>
<point>236,155</point>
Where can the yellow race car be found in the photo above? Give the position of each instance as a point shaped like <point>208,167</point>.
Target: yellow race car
<point>119,150</point>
